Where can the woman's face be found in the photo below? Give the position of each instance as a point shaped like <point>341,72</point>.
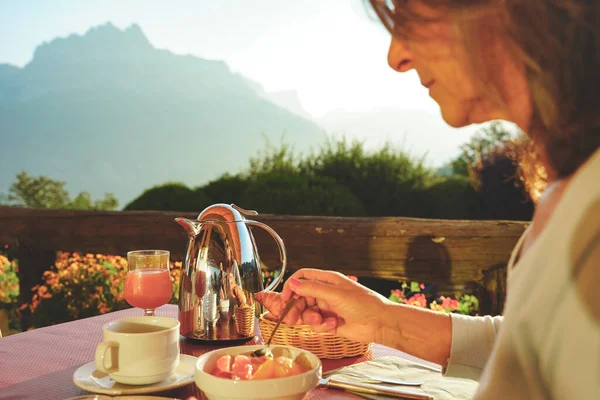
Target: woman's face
<point>443,68</point>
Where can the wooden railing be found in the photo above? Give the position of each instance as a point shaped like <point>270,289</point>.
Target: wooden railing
<point>465,256</point>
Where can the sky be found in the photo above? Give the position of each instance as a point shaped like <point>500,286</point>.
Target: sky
<point>333,53</point>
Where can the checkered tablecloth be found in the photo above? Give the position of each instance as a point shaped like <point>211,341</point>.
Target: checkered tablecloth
<point>39,364</point>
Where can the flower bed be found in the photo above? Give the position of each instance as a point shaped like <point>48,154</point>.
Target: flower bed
<point>424,296</point>
<point>84,285</point>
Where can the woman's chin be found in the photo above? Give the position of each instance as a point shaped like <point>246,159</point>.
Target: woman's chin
<point>459,120</point>
<point>456,120</point>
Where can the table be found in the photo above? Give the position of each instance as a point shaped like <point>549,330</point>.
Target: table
<point>39,364</point>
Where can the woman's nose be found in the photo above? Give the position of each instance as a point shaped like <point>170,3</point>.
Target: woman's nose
<point>399,57</point>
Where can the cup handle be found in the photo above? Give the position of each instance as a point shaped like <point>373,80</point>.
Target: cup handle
<point>101,351</point>
<point>282,252</point>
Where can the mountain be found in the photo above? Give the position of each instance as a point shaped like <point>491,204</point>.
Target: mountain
<point>108,112</point>
<point>289,100</point>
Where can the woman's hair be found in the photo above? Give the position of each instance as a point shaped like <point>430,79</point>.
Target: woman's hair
<point>558,44</point>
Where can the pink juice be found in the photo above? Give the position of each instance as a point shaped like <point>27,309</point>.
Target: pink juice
<point>148,288</point>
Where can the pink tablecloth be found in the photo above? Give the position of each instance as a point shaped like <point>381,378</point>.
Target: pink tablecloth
<point>39,364</point>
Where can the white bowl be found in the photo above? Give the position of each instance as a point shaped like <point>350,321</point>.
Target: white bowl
<point>289,388</point>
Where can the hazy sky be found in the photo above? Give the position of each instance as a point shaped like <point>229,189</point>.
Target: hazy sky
<point>330,51</point>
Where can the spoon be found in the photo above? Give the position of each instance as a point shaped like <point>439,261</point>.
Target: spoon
<point>266,350</point>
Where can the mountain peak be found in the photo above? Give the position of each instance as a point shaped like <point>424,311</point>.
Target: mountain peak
<point>97,41</point>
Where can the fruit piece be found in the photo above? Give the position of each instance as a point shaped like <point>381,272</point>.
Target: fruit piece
<point>265,371</point>
<point>221,374</point>
<point>242,371</point>
<point>224,364</point>
<point>303,361</point>
<point>282,352</point>
<point>297,369</point>
<point>241,367</point>
<point>240,360</point>
<point>258,361</point>
<point>283,367</point>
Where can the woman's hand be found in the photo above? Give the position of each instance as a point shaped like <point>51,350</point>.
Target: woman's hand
<point>335,303</point>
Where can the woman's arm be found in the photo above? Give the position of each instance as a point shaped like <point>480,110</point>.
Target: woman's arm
<point>333,303</point>
<point>461,344</point>
<point>423,333</point>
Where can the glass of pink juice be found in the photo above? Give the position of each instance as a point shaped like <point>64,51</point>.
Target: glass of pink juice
<point>148,282</point>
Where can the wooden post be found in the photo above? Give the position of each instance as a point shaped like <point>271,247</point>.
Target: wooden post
<point>494,282</point>
<point>32,264</point>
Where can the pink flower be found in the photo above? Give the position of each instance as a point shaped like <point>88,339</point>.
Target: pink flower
<point>422,286</point>
<point>449,303</point>
<point>418,300</point>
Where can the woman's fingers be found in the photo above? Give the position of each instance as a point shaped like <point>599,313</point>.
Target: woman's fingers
<point>329,277</point>
<point>312,316</point>
<point>329,325</point>
<point>295,314</point>
<point>321,291</point>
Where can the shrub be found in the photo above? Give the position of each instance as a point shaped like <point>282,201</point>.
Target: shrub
<point>9,283</point>
<point>171,197</point>
<point>300,195</point>
<point>500,186</point>
<point>451,197</point>
<point>421,295</point>
<point>9,293</point>
<point>385,181</point>
<point>81,286</point>
<point>226,189</point>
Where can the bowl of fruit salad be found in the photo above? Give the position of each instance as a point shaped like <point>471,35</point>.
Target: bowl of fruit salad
<point>235,373</point>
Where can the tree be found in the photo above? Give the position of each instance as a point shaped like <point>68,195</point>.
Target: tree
<point>84,201</point>
<point>39,192</point>
<point>44,192</point>
<point>481,144</point>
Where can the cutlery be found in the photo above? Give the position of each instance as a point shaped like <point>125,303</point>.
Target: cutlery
<point>382,379</point>
<point>267,350</point>
<point>423,366</point>
<point>369,388</point>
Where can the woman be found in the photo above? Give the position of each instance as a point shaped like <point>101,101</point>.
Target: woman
<point>535,63</point>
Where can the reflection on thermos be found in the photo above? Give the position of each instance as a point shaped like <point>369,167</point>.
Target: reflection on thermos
<point>223,263</point>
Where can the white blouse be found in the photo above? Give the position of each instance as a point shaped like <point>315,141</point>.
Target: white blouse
<point>547,344</point>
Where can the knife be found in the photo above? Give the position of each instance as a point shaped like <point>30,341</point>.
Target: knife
<point>381,379</point>
<point>372,389</point>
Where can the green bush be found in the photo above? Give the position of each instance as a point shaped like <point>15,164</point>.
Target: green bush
<point>386,181</point>
<point>300,195</point>
<point>451,197</point>
<point>171,197</point>
<point>226,189</point>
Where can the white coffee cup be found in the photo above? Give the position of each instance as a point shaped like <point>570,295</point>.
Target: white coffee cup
<point>139,350</point>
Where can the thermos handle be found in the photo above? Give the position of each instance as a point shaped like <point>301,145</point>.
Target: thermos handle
<point>282,252</point>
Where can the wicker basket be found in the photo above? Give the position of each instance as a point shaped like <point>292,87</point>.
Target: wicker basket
<point>323,345</point>
<point>244,320</point>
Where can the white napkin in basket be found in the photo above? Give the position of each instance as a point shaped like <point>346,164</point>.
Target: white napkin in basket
<point>436,385</point>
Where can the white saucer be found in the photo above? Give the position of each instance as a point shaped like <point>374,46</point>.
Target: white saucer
<point>88,378</point>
